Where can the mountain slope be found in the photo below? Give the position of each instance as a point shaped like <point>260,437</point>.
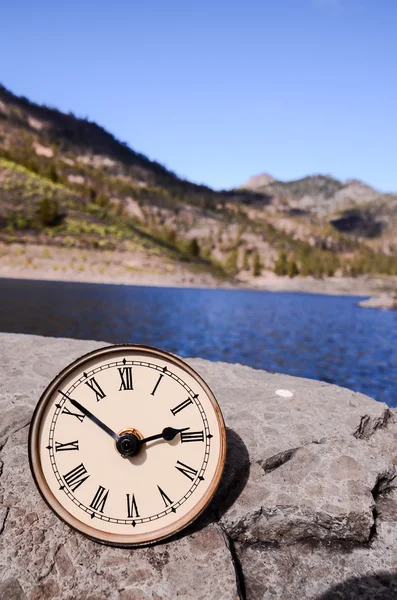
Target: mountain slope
<point>67,182</point>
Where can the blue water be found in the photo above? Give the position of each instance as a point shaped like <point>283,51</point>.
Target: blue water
<point>309,335</point>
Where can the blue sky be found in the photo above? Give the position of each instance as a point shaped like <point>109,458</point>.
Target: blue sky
<point>220,90</point>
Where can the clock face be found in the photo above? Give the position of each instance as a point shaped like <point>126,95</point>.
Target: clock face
<point>127,445</point>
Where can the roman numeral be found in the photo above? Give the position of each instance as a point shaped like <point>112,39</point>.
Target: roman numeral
<point>157,384</point>
<point>189,472</point>
<point>94,385</point>
<point>167,501</point>
<point>192,436</point>
<point>68,446</point>
<point>78,416</point>
<point>131,507</point>
<point>126,378</point>
<point>75,477</point>
<point>100,498</point>
<point>181,406</point>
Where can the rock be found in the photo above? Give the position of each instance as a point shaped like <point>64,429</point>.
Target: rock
<point>42,150</point>
<point>384,301</point>
<point>48,560</point>
<point>306,507</point>
<point>11,590</point>
<point>327,572</point>
<point>79,179</point>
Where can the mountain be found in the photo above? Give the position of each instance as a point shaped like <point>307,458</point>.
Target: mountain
<point>68,183</point>
<point>318,194</point>
<point>352,207</point>
<point>257,182</point>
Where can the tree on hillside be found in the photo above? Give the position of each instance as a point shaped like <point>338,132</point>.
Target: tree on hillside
<point>170,236</point>
<point>102,200</point>
<point>53,173</point>
<point>281,266</point>
<point>256,264</point>
<point>231,262</point>
<point>246,264</point>
<point>292,268</point>
<point>48,212</point>
<point>193,248</point>
<point>92,194</point>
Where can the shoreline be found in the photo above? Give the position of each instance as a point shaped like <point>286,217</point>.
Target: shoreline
<point>326,287</point>
<point>49,263</point>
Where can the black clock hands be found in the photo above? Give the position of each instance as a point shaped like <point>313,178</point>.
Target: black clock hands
<point>127,444</point>
<point>167,434</point>
<point>93,418</point>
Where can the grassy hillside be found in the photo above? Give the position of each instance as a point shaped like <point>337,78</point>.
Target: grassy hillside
<point>67,182</point>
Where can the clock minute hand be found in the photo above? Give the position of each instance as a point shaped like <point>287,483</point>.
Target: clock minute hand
<point>93,418</point>
<point>167,434</point>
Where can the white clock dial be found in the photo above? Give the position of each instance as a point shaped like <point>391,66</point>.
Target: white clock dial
<point>127,445</point>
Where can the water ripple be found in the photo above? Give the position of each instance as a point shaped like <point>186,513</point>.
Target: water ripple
<point>308,335</point>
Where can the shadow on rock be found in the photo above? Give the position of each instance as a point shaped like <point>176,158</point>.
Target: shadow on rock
<point>234,478</point>
<point>235,475</point>
<point>379,586</point>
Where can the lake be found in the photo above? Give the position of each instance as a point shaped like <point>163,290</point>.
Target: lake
<point>308,335</point>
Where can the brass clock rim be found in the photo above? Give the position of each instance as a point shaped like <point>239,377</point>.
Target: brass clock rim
<point>114,539</point>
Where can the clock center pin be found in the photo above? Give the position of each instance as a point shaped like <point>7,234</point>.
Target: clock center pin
<point>128,443</point>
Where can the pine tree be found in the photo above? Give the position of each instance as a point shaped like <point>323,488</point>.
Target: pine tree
<point>231,262</point>
<point>170,236</point>
<point>246,264</point>
<point>92,194</point>
<point>281,266</point>
<point>256,264</point>
<point>293,270</point>
<point>48,212</point>
<point>102,200</point>
<point>53,174</point>
<point>193,248</point>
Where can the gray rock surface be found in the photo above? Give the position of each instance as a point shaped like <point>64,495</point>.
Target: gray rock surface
<point>383,301</point>
<point>306,508</point>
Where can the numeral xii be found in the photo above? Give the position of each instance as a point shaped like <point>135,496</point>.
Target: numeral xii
<point>126,378</point>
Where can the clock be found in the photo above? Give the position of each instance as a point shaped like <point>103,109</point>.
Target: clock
<point>127,445</point>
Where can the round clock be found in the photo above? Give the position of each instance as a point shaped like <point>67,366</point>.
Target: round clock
<point>127,445</point>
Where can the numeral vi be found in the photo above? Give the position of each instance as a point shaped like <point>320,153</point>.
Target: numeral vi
<point>132,507</point>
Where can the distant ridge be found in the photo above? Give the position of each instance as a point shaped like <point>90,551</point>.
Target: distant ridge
<point>322,194</point>
<point>257,181</point>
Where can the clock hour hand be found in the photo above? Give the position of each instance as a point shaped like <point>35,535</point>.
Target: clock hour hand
<point>167,434</point>
<point>93,418</point>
